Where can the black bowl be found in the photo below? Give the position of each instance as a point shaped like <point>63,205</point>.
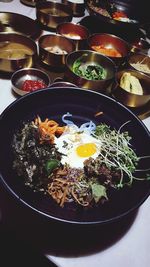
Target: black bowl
<point>83,104</point>
<point>104,10</point>
<point>95,25</point>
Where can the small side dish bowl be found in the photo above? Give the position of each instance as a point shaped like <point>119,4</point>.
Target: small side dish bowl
<point>77,6</point>
<point>31,3</point>
<point>135,97</point>
<point>90,63</point>
<point>78,33</point>
<point>28,80</point>
<point>140,46</point>
<point>50,14</point>
<point>139,62</point>
<point>53,49</point>
<point>16,51</point>
<point>110,45</point>
<point>14,22</point>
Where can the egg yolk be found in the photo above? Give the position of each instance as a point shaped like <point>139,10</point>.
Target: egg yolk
<point>86,150</point>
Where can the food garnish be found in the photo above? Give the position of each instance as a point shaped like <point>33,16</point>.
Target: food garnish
<point>54,12</point>
<point>48,129</point>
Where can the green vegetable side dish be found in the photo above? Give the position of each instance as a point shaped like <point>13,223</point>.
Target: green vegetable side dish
<point>89,71</point>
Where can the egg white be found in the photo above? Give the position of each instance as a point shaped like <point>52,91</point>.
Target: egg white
<point>67,144</point>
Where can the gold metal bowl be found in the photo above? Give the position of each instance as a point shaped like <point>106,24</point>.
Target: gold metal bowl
<point>78,33</point>
<point>87,57</point>
<point>139,62</point>
<point>31,3</point>
<point>109,42</point>
<point>140,46</point>
<point>53,49</point>
<point>130,99</point>
<point>19,77</point>
<point>50,14</point>
<point>78,7</point>
<point>16,51</point>
<point>62,84</point>
<point>18,23</point>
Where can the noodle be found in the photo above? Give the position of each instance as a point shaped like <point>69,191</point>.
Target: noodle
<point>68,185</point>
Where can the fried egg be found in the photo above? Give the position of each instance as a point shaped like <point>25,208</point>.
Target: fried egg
<point>77,147</point>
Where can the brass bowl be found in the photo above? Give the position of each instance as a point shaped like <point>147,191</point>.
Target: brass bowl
<point>107,41</point>
<point>92,58</point>
<point>78,33</point>
<point>130,99</point>
<point>78,7</point>
<point>62,84</point>
<point>16,51</point>
<point>137,58</point>
<point>53,49</point>
<point>31,3</point>
<point>50,14</point>
<point>18,23</point>
<point>20,76</point>
<point>140,46</point>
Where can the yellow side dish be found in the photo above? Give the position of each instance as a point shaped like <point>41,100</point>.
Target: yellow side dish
<point>131,84</point>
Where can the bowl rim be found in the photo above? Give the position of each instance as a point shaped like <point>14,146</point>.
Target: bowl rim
<point>140,53</point>
<point>50,3</point>
<point>32,36</point>
<point>18,34</point>
<point>111,35</point>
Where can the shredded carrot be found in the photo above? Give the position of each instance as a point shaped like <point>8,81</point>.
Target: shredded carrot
<point>48,129</point>
<point>98,113</point>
